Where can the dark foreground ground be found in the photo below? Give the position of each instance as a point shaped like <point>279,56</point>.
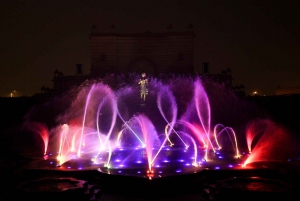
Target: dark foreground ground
<point>266,180</point>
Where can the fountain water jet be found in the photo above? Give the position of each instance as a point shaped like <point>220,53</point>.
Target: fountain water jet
<point>169,133</point>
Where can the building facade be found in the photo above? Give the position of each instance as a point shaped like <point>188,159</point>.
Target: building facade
<point>153,53</point>
<point>288,90</point>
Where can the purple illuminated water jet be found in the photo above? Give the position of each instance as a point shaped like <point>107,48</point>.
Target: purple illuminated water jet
<point>170,132</point>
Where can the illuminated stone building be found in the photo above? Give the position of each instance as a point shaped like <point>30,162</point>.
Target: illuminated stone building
<point>114,53</point>
<point>154,53</point>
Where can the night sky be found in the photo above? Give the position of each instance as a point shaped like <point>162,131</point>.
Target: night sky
<point>258,40</point>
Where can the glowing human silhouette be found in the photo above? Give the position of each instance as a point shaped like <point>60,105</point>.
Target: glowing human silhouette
<point>143,83</point>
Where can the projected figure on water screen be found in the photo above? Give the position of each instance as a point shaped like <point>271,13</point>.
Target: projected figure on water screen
<point>143,83</point>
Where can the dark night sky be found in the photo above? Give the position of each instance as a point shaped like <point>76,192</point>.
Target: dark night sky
<point>259,40</point>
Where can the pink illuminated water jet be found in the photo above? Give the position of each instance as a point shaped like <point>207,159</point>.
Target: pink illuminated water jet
<point>268,141</point>
<point>41,130</point>
<point>116,132</point>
